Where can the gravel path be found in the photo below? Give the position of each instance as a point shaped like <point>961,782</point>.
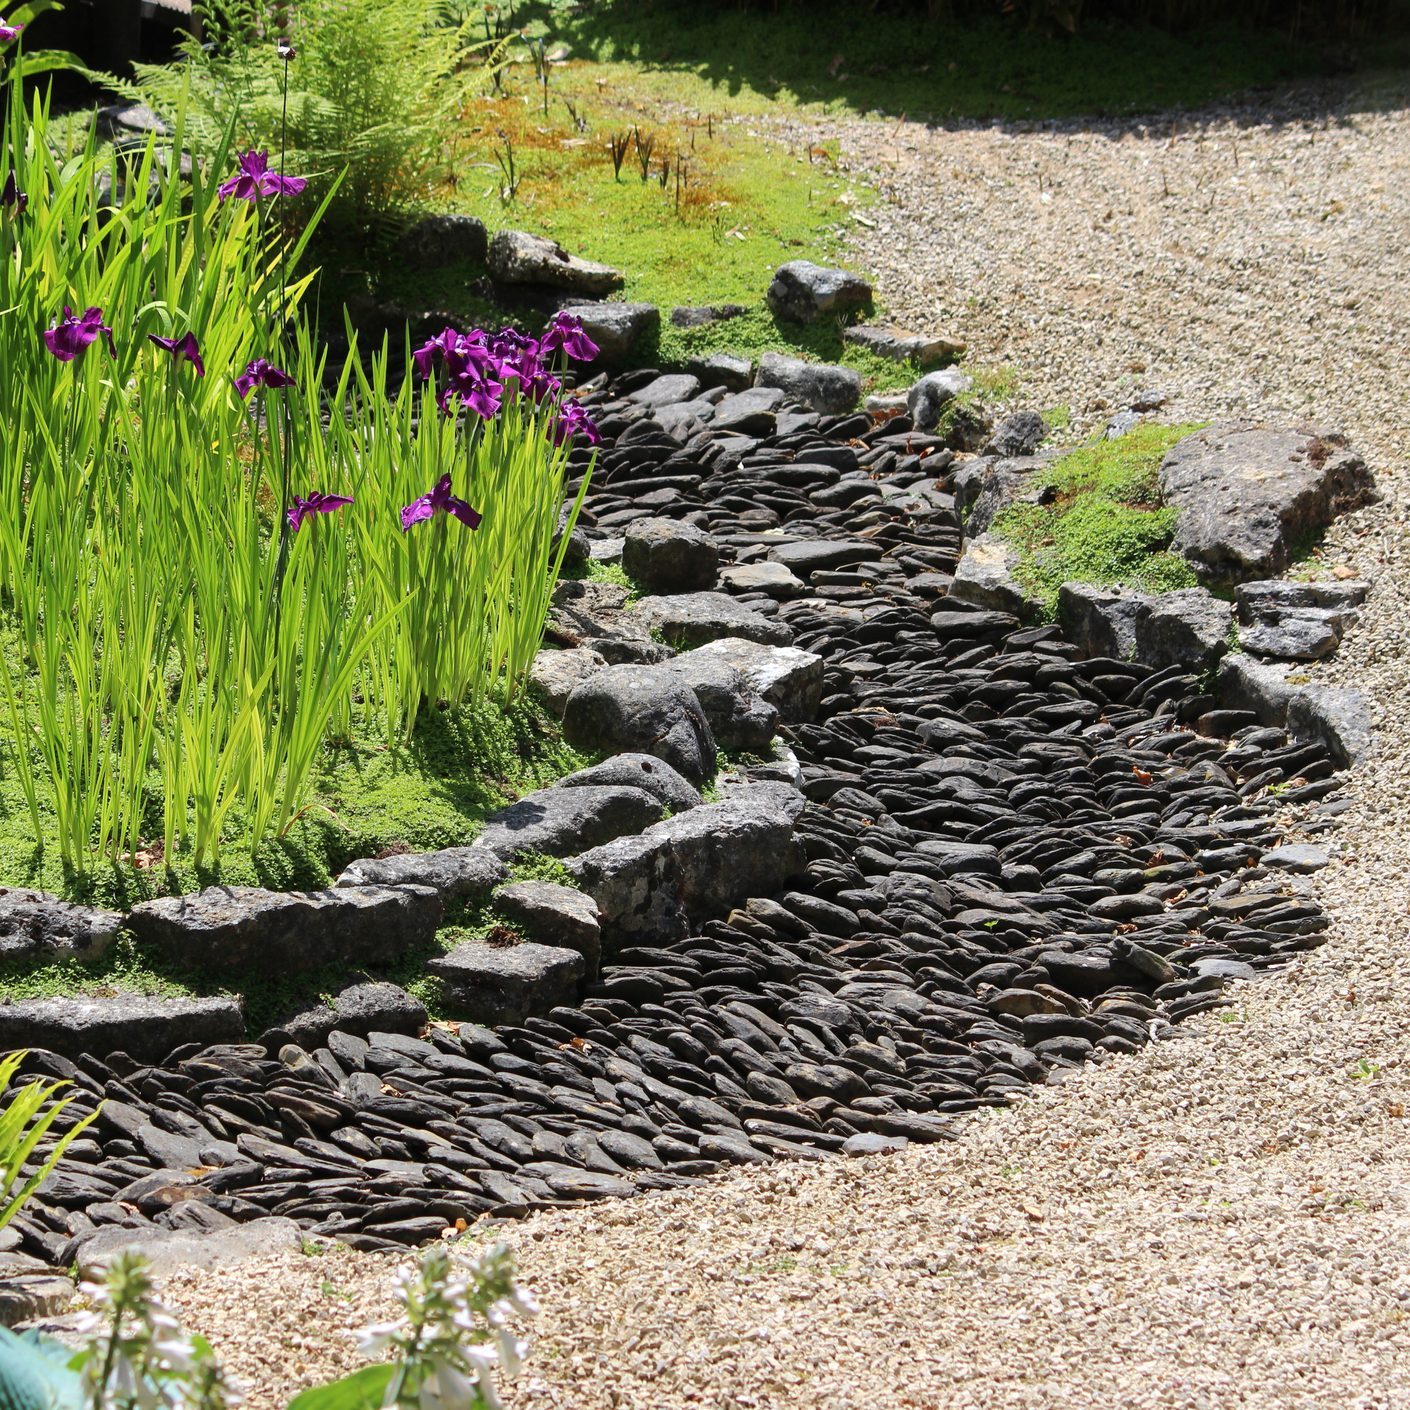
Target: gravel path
<point>1220,1220</point>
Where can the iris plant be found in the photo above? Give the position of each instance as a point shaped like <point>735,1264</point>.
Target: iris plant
<point>9,32</point>
<point>184,349</point>
<point>316,503</point>
<point>439,501</point>
<point>261,373</point>
<point>71,337</point>
<point>255,180</point>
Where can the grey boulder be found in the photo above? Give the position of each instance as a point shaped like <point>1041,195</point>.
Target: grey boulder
<point>801,291</point>
<point>643,709</point>
<point>1187,627</point>
<point>438,240</point>
<point>1018,434</point>
<point>459,873</point>
<point>146,1028</point>
<point>517,257</point>
<point>668,556</point>
<point>244,927</point>
<point>728,370</point>
<point>549,914</point>
<point>1250,496</point>
<point>35,925</point>
<point>751,412</point>
<point>822,386</point>
<point>494,984</point>
<point>664,390</point>
<point>557,822</point>
<point>618,329</point>
<point>1100,621</point>
<point>984,577</point>
<point>558,673</point>
<point>739,718</point>
<point>642,771</point>
<point>789,679</point>
<point>692,619</point>
<point>901,345</point>
<point>930,395</point>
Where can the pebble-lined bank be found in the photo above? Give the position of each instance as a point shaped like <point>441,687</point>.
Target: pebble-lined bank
<point>1011,857</point>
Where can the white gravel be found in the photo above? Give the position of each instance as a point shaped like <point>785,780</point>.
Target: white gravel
<point>1222,1220</point>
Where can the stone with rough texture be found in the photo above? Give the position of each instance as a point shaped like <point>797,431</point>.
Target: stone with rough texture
<point>1017,480</point>
<point>751,412</point>
<point>722,369</point>
<point>495,984</point>
<point>643,771</point>
<point>557,822</point>
<point>701,315</point>
<point>37,926</point>
<point>438,240</point>
<point>901,345</point>
<point>692,619</point>
<point>636,884</point>
<point>618,329</point>
<point>1250,496</point>
<point>1337,716</point>
<point>928,397</point>
<point>774,579</point>
<point>1101,621</point>
<point>801,291</point>
<point>244,927</point>
<point>1020,433</point>
<point>360,1008</point>
<point>740,719</point>
<point>1187,627</point>
<point>823,386</point>
<point>1268,597</point>
<point>984,577</point>
<point>804,557</point>
<point>1244,683</point>
<point>1295,634</point>
<point>549,914</point>
<point>168,1250</point>
<point>791,680</point>
<point>643,709</point>
<point>667,555</point>
<point>665,390</point>
<point>557,673</point>
<point>517,257</point>
<point>146,1028</point>
<point>462,873</point>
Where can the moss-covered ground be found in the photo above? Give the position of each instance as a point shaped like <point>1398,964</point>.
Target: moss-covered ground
<point>1104,523</point>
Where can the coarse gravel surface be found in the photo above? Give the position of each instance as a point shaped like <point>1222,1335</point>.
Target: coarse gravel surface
<point>1222,1219</point>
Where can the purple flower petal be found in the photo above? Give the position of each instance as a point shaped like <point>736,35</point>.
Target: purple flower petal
<point>255,179</point>
<point>261,373</point>
<point>566,332</point>
<point>71,337</point>
<point>439,501</point>
<point>316,503</point>
<point>183,349</point>
<point>9,32</point>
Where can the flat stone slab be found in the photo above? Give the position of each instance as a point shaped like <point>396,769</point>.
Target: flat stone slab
<point>465,873</point>
<point>693,618</point>
<point>517,257</point>
<point>549,914</point>
<point>146,1028</point>
<point>901,345</point>
<point>506,984</point>
<point>244,927</point>
<point>804,557</point>
<point>789,679</point>
<point>1250,496</point>
<point>633,770</point>
<point>556,822</point>
<point>169,1250</point>
<point>36,925</point>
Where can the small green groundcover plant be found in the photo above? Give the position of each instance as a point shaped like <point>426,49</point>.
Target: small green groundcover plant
<point>1104,522</point>
<point>217,554</point>
<point>456,1331</point>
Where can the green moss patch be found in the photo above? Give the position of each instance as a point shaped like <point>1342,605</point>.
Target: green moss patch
<point>1105,524</point>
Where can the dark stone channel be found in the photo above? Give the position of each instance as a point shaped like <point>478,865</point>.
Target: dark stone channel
<point>1015,857</point>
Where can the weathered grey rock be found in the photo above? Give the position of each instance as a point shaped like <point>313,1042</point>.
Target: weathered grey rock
<point>642,709</point>
<point>1244,683</point>
<point>1297,857</point>
<point>556,673</point>
<point>438,240</point>
<point>901,345</point>
<point>1122,423</point>
<point>1250,496</point>
<point>618,329</point>
<point>740,847</point>
<point>517,257</point>
<point>1101,621</point>
<point>636,884</point>
<point>549,914</point>
<point>1294,634</point>
<point>1190,627</point>
<point>801,291</point>
<point>683,419</point>
<point>459,873</point>
<point>789,679</point>
<point>692,619</point>
<point>984,577</point>
<point>804,557</point>
<point>772,578</point>
<point>1018,480</point>
<point>31,1292</point>
<point>37,926</point>
<point>700,316</point>
<point>662,391</point>
<point>873,1143</point>
<point>927,399</point>
<point>1269,597</point>
<point>823,386</point>
<point>168,1250</point>
<point>739,717</point>
<point>1336,716</point>
<point>495,984</point>
<point>244,927</point>
<point>752,412</point>
<point>360,1009</point>
<point>146,1028</point>
<point>557,822</point>
<point>668,555</point>
<point>593,612</point>
<point>608,550</point>
<point>728,370</point>
<point>1018,434</point>
<point>643,771</point>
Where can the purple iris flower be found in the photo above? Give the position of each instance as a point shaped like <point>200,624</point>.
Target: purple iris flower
<point>12,199</point>
<point>316,503</point>
<point>72,337</point>
<point>261,373</point>
<point>471,368</point>
<point>572,420</point>
<point>255,180</point>
<point>439,501</point>
<point>566,332</point>
<point>184,349</point>
<point>9,32</point>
